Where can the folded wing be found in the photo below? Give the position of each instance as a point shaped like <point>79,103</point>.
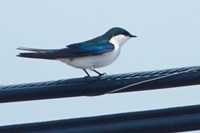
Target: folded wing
<point>71,51</point>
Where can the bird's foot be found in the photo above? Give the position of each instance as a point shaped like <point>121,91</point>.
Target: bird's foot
<point>87,77</point>
<point>102,74</point>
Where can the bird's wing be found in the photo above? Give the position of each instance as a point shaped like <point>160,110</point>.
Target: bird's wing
<point>89,49</point>
<point>71,51</point>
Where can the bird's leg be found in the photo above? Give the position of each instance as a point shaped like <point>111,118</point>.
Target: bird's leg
<point>100,74</point>
<point>88,75</point>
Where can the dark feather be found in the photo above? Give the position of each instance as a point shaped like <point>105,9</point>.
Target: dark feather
<point>74,50</point>
<point>89,49</point>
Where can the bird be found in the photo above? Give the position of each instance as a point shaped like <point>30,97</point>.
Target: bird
<point>88,55</point>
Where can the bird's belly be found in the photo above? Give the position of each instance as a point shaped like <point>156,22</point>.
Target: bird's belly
<point>90,62</point>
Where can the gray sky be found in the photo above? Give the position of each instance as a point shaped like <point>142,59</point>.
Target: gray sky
<point>168,36</point>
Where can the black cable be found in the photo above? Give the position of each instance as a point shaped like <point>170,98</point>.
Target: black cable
<point>154,121</point>
<point>92,86</point>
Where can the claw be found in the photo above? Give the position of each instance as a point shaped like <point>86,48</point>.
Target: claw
<point>87,77</point>
<point>102,74</point>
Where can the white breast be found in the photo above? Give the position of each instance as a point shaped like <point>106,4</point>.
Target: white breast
<point>119,40</point>
<point>90,62</point>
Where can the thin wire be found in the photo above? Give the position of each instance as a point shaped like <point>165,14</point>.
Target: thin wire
<point>146,81</point>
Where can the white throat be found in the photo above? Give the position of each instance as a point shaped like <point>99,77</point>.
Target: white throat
<point>119,40</point>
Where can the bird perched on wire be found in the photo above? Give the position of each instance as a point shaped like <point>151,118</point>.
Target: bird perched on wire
<point>95,53</point>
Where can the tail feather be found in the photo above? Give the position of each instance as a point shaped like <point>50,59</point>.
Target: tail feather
<point>37,53</point>
<point>33,49</point>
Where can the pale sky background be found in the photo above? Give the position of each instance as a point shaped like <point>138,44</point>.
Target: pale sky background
<point>168,37</point>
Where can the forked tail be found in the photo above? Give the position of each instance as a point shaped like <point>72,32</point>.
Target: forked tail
<point>36,53</point>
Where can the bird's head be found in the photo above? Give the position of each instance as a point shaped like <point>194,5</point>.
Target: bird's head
<point>118,36</point>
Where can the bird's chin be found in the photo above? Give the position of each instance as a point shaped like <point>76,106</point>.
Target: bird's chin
<point>119,40</point>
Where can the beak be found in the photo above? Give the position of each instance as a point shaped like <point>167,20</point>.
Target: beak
<point>133,36</point>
